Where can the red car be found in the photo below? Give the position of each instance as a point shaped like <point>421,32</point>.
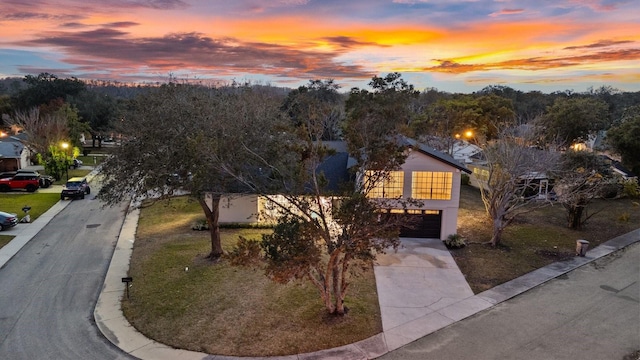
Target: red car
<point>19,181</point>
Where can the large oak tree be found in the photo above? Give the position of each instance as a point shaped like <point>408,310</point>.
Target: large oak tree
<point>198,140</point>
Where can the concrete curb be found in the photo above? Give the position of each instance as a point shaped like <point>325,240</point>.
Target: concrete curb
<point>116,328</point>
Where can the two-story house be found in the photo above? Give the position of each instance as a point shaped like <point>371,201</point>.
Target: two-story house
<point>427,175</point>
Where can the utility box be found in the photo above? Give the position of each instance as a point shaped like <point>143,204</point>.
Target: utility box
<point>581,247</point>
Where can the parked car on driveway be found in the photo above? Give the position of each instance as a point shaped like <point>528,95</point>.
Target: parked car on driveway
<point>75,188</point>
<point>44,180</point>
<point>7,220</point>
<point>27,181</point>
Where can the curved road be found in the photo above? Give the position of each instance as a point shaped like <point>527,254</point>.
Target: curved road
<point>49,289</point>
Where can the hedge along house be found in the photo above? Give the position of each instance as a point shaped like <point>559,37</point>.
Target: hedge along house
<point>427,175</point>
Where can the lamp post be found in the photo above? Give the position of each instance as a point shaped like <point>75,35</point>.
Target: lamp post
<point>65,146</point>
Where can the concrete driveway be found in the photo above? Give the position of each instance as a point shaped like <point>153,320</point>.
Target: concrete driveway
<point>417,280</point>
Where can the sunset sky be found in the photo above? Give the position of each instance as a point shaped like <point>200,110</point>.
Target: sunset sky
<point>451,45</point>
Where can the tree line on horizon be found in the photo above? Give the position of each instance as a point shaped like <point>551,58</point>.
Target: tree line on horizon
<point>564,116</point>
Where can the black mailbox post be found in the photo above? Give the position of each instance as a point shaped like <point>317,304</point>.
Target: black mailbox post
<point>127,280</point>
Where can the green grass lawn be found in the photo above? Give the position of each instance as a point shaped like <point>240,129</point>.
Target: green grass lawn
<point>14,202</point>
<point>72,173</point>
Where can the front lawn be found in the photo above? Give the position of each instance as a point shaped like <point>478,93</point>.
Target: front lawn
<point>72,173</point>
<point>535,240</point>
<point>183,300</point>
<point>14,202</point>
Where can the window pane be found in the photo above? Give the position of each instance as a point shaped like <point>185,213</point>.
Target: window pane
<point>429,185</point>
<point>390,188</point>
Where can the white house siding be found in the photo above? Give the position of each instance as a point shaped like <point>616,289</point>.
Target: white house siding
<point>241,209</point>
<point>417,161</point>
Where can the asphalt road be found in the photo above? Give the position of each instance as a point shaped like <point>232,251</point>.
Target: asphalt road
<point>49,289</point>
<point>592,312</point>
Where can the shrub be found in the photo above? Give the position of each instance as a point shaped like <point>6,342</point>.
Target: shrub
<point>200,225</point>
<point>455,241</point>
<point>631,188</point>
<point>624,217</point>
<point>246,253</point>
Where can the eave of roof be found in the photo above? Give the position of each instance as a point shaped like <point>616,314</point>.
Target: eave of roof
<point>445,158</point>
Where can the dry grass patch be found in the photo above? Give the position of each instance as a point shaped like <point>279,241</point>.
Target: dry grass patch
<point>537,239</point>
<point>221,309</point>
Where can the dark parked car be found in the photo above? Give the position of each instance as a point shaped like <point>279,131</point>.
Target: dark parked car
<point>7,220</point>
<point>75,188</point>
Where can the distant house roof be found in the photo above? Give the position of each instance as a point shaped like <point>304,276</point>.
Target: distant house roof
<point>11,149</point>
<point>20,137</point>
<point>618,168</point>
<point>335,170</point>
<point>438,155</point>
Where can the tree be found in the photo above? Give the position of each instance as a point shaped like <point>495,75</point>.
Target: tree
<point>625,138</point>
<point>375,117</point>
<point>510,189</point>
<point>100,111</point>
<point>326,234</point>
<point>572,119</point>
<point>321,237</point>
<point>448,119</point>
<point>203,141</point>
<point>318,98</point>
<point>44,88</point>
<point>42,130</point>
<point>579,180</point>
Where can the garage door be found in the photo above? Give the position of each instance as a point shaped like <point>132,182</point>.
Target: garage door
<point>425,225</point>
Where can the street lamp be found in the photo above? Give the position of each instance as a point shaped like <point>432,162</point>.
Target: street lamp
<point>65,146</point>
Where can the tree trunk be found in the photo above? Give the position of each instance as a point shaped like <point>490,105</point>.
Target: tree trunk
<point>214,227</point>
<point>574,217</point>
<point>339,304</point>
<point>498,228</point>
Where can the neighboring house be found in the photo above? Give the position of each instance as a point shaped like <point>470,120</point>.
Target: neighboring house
<point>539,183</point>
<point>593,143</point>
<point>463,151</point>
<point>618,169</point>
<point>427,175</point>
<point>13,155</point>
